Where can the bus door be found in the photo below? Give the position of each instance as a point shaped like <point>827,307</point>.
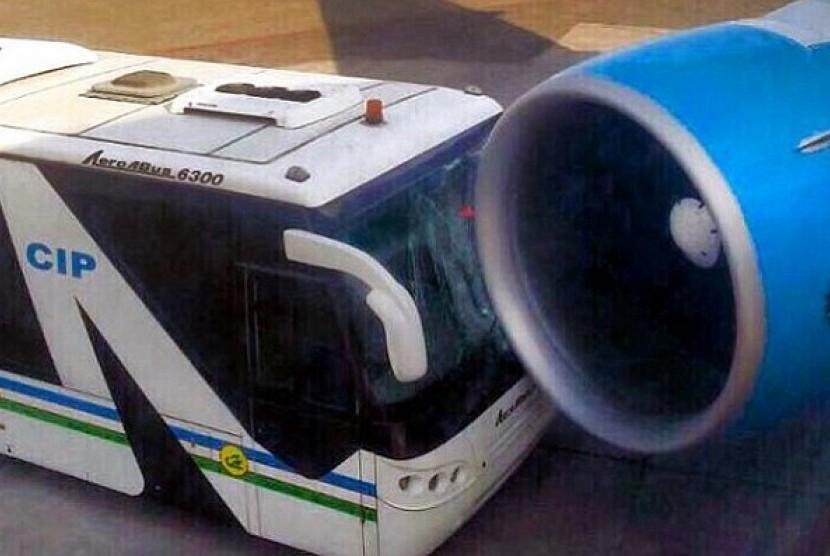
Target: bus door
<point>302,407</point>
<point>373,293</point>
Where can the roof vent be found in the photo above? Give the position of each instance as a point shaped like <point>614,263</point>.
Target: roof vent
<point>143,87</point>
<point>259,97</point>
<point>21,58</point>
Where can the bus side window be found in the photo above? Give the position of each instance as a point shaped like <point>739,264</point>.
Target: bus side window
<point>300,371</point>
<point>298,343</point>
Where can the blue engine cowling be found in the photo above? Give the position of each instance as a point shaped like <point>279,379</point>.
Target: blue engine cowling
<point>654,227</point>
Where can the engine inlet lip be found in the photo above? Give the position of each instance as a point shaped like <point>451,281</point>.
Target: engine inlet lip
<point>505,279</point>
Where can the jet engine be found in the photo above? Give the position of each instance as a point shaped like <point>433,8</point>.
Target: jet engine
<point>654,227</point>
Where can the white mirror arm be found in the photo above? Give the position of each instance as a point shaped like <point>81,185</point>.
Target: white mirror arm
<point>389,300</point>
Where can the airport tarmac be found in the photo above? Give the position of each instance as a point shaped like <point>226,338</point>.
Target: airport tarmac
<point>502,46</point>
<point>767,494</point>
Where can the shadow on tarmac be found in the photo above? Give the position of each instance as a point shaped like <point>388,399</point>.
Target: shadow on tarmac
<point>433,29</point>
<point>437,42</point>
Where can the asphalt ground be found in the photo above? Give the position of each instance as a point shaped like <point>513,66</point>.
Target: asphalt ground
<point>503,46</point>
<point>767,494</point>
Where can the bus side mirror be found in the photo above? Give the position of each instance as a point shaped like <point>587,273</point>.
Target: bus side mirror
<point>389,300</point>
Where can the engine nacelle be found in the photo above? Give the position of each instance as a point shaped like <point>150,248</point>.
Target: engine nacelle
<point>655,231</point>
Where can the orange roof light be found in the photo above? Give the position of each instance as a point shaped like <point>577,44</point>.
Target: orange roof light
<point>374,111</point>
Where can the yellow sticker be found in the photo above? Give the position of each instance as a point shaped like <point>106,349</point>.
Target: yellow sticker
<point>233,459</point>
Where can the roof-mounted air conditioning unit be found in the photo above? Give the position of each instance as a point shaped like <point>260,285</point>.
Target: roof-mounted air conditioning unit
<point>288,105</point>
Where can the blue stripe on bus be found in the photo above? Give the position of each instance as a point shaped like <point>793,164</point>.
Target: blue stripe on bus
<point>197,438</point>
<point>266,459</point>
<point>60,399</point>
<point>350,483</point>
<point>335,479</point>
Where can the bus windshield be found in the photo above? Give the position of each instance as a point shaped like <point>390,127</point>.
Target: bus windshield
<point>424,236</point>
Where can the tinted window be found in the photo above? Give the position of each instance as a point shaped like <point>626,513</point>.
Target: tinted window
<point>424,236</point>
<point>301,378</point>
<point>298,342</point>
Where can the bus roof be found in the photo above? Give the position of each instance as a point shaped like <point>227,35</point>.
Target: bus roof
<point>296,137</point>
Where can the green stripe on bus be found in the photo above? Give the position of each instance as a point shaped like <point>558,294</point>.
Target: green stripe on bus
<point>63,421</point>
<point>319,498</point>
<point>255,479</point>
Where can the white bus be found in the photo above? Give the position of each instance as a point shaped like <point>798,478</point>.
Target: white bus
<point>233,289</point>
